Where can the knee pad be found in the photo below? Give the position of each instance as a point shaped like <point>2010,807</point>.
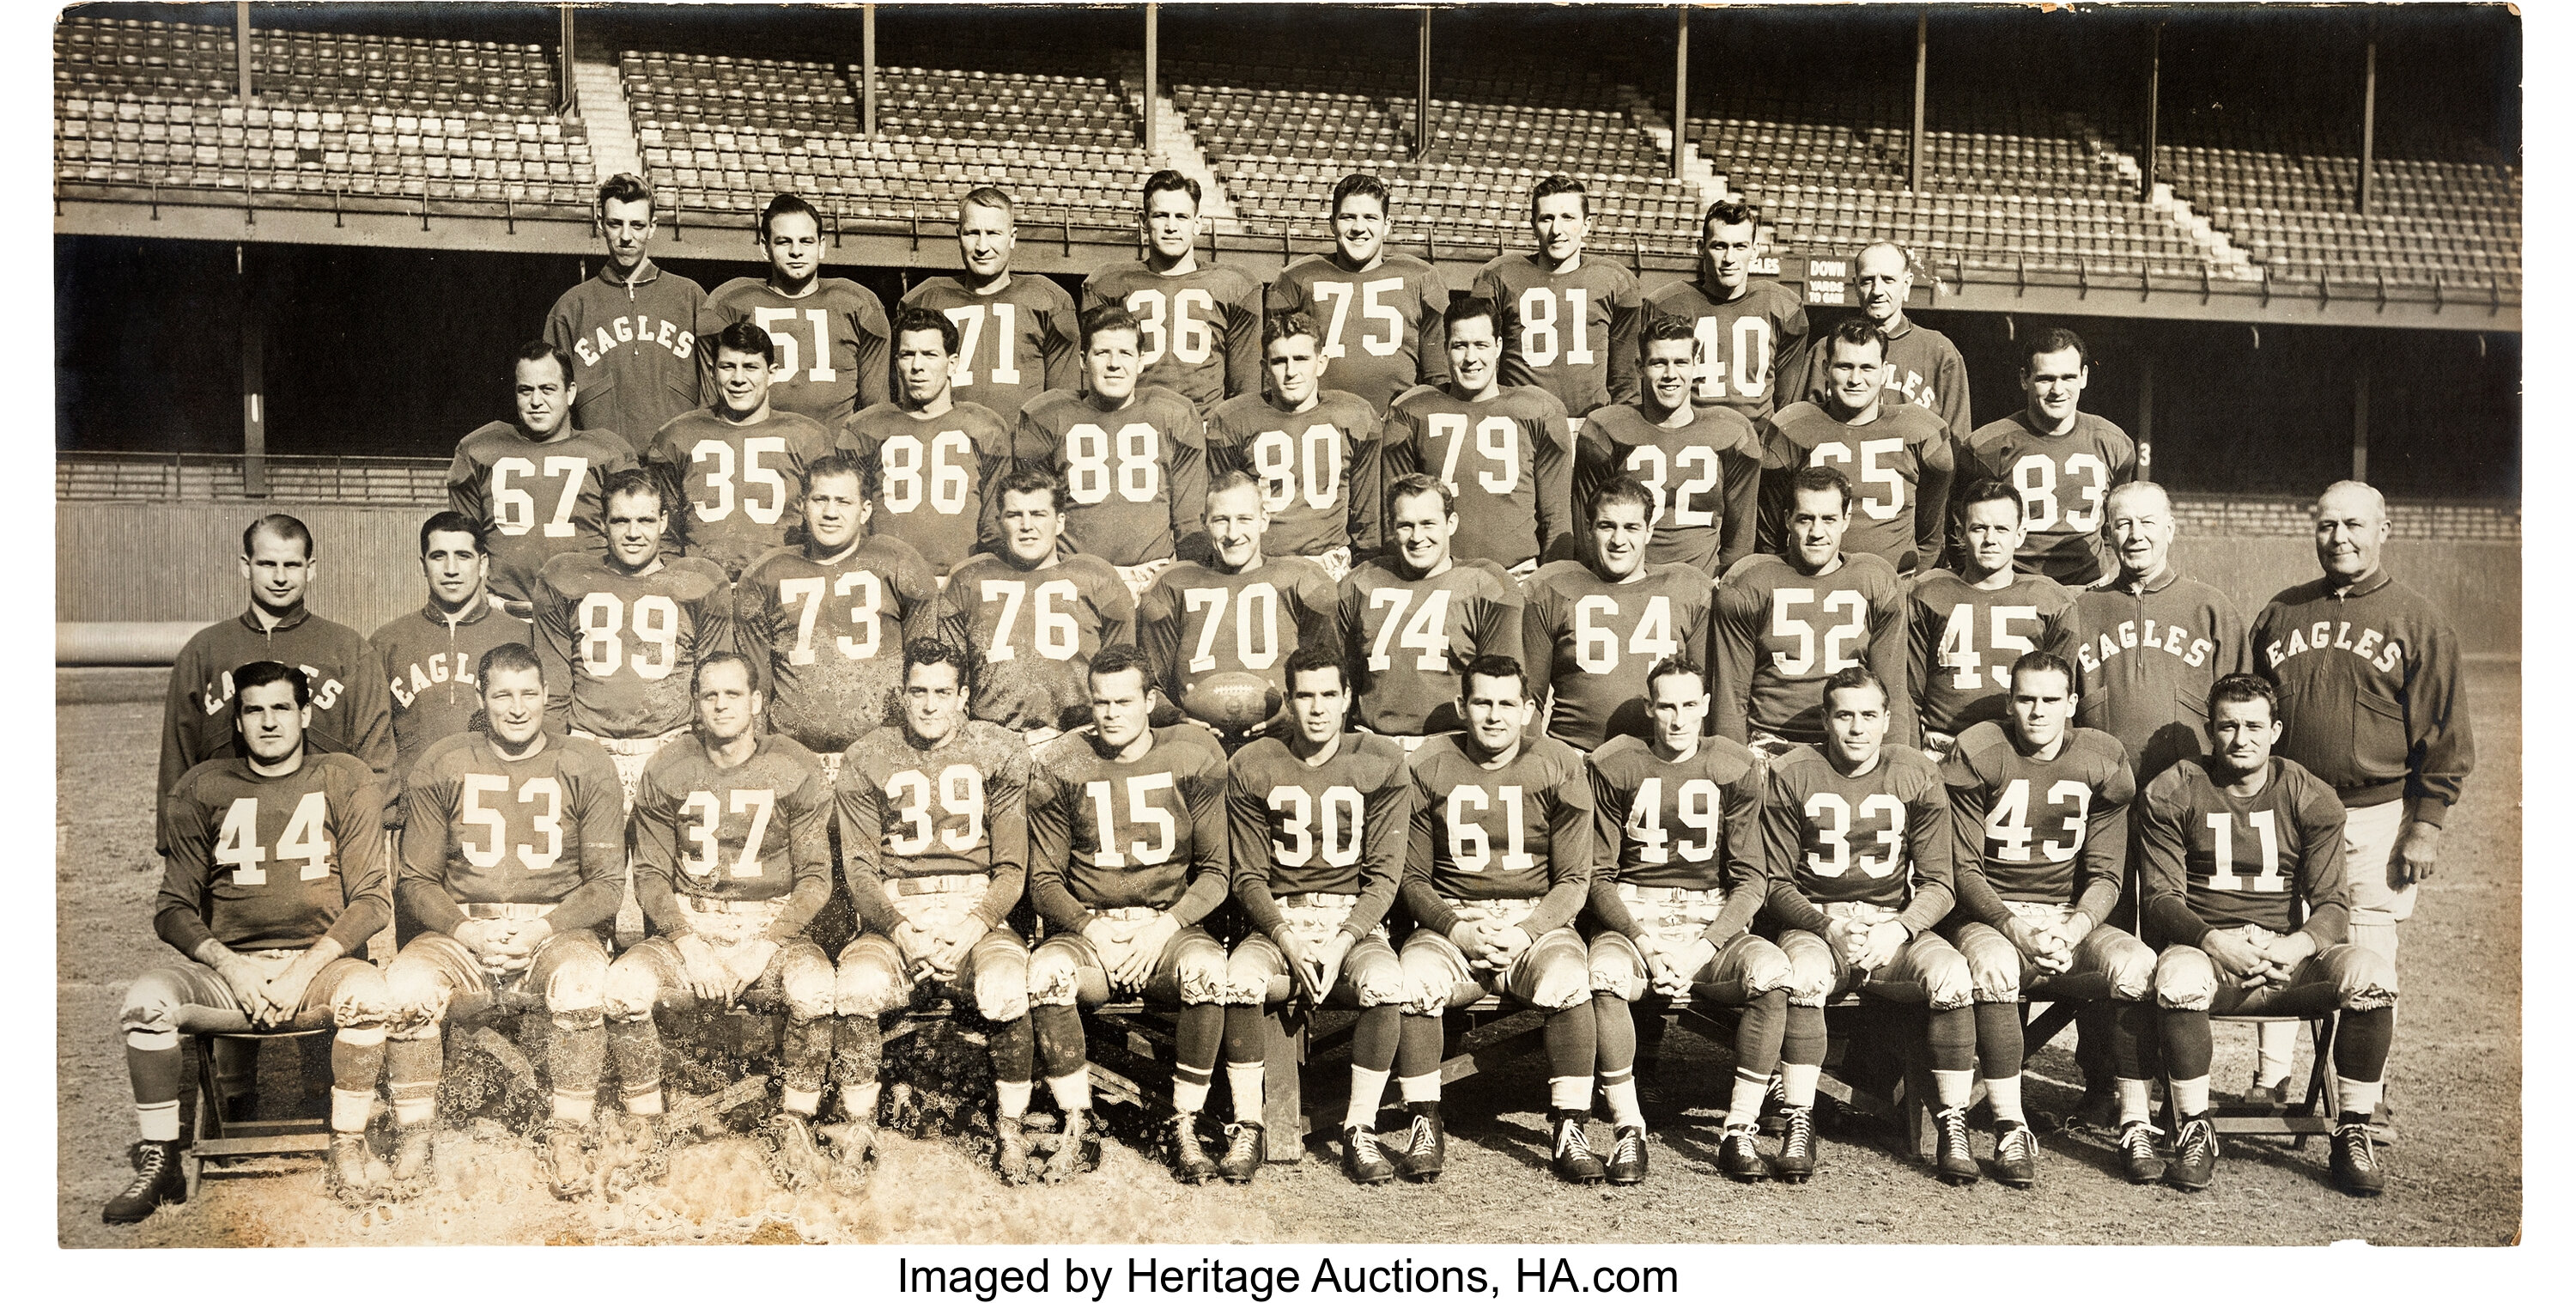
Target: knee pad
<point>1811,975</point>
<point>865,987</point>
<point>151,1010</point>
<point>1055,976</point>
<point>1994,968</point>
<point>1615,974</point>
<point>1562,981</point>
<point>2185,979</point>
<point>1378,981</point>
<point>2364,979</point>
<point>416,1000</point>
<point>1002,992</point>
<point>361,1005</point>
<point>577,986</point>
<point>1946,983</point>
<point>2132,970</point>
<point>808,990</point>
<point>629,992</point>
<point>1201,976</point>
<point>1766,969</point>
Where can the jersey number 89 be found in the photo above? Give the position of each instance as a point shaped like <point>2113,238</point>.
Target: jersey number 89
<point>603,630</point>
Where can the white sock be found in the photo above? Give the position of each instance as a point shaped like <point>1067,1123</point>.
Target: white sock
<point>1368,1092</point>
<point>648,1104</point>
<point>1744,1106</point>
<point>2275,1045</point>
<point>574,1108</point>
<point>2137,1100</point>
<point>160,1121</point>
<point>2356,1096</point>
<point>2190,1098</point>
<point>807,1103</point>
<point>1011,1098</point>
<point>1244,1079</point>
<point>1424,1089</point>
<point>1953,1087</point>
<point>1188,1096</point>
<point>2004,1093</point>
<point>1621,1096</point>
<point>1571,1094</point>
<point>1072,1094</point>
<point>860,1101</point>
<point>1798,1083</point>
<point>349,1109</point>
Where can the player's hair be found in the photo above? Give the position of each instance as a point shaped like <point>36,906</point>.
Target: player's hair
<point>506,657</point>
<point>278,524</point>
<point>623,188</point>
<point>1360,183</point>
<point>782,204</point>
<point>1417,484</point>
<point>1988,490</point>
<point>1903,254</point>
<point>1493,667</point>
<point>1227,481</point>
<point>453,522</point>
<point>932,651</point>
<point>986,196</point>
<point>1287,325</point>
<point>1855,676</point>
<point>2243,688</point>
<point>1855,330</point>
<point>698,672</point>
<point>1617,489</point>
<point>537,350</point>
<point>259,674</point>
<point>744,337</point>
<point>1666,328</point>
<point>2032,662</point>
<point>1817,479</point>
<point>1312,657</point>
<point>1468,307</point>
<point>1558,183</point>
<point>1725,212</point>
<point>1108,316</point>
<point>1169,179</point>
<point>913,320</point>
<point>842,461</point>
<point>2055,339</point>
<point>1118,659</point>
<point>633,481</point>
<point>1031,479</point>
<point>1682,663</point>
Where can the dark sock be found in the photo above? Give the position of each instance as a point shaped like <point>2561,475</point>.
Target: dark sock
<point>1418,1045</point>
<point>2361,1043</point>
<point>356,1067</point>
<point>1615,1033</point>
<point>1060,1042</point>
<point>1375,1036</point>
<point>2097,1045</point>
<point>1803,1042</point>
<point>1572,1043</point>
<point>573,1060</point>
<point>636,1044</point>
<point>1952,1034</point>
<point>412,1069</point>
<point>1759,1033</point>
<point>2185,1034</point>
<point>807,1056</point>
<point>1247,1040</point>
<point>1196,1035</point>
<point>1013,1047</point>
<point>2134,1052</point>
<point>157,1074</point>
<point>1999,1047</point>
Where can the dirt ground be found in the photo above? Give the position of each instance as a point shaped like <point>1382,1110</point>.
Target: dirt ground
<point>2456,1172</point>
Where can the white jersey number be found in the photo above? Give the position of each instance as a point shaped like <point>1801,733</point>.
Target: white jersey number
<point>863,614</point>
<point>818,322</point>
<point>1340,294</point>
<point>2035,477</point>
<point>1959,652</point>
<point>1141,810</point>
<point>305,838</point>
<point>1137,451</point>
<point>1185,322</point>
<point>1498,441</point>
<point>1255,615</point>
<point>1749,373</point>
<point>546,823</point>
<point>970,332</point>
<point>1469,849</point>
<point>1647,462</point>
<point>1297,811</point>
<point>1278,460</point>
<point>706,814</point>
<point>959,790</point>
<point>2009,830</point>
<point>936,473</point>
<point>769,505</point>
<point>1829,816</point>
<point>1596,647</point>
<point>1840,642</point>
<point>514,511</point>
<point>603,631</point>
<point>2223,875</point>
<point>1697,804</point>
<point>1873,470</point>
<point>1427,632</point>
<point>1058,638</point>
<point>1540,336</point>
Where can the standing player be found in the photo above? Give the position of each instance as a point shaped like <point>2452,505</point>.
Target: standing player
<point>634,326</point>
<point>1785,624</point>
<point>934,458</point>
<point>1858,839</point>
<point>1966,630</point>
<point>2238,846</point>
<point>1568,326</point>
<point>2059,460</point>
<point>1677,877</point>
<point>1132,456</point>
<point>1898,452</point>
<point>1379,312</point>
<point>534,482</point>
<point>1199,328</point>
<point>1501,853</point>
<point>1593,627</point>
<point>1127,854</point>
<point>1016,333</point>
<point>1030,617</point>
<point>1922,366</point>
<point>1709,458</point>
<point>1415,617</point>
<point>1502,448</point>
<point>727,467</point>
<point>1320,817</point>
<point>828,334</point>
<point>1747,339</point>
<point>275,878</point>
<point>427,657</point>
<point>1313,450</point>
<point>1237,617</point>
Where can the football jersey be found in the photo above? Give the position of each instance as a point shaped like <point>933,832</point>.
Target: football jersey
<point>1899,465</point>
<point>1318,468</point>
<point>481,828</point>
<point>1106,833</point>
<point>1030,634</point>
<point>1880,838</point>
<point>1340,827</point>
<point>1137,477</point>
<point>2063,480</point>
<point>1692,824</point>
<point>635,349</point>
<point>2148,654</point>
<point>1923,369</point>
<point>428,660</point>
<point>833,348</point>
<point>2050,831</point>
<point>1742,349</point>
<point>828,636</point>
<point>1571,333</point>
<point>1588,642</point>
<point>2270,859</point>
<point>351,711</point>
<point>1703,475</point>
<point>758,831</point>
<point>1506,458</point>
<point>734,490</point>
<point>1962,641</point>
<point>273,863</point>
<point>1012,344</point>
<point>1508,833</point>
<point>934,476</point>
<point>1200,331</point>
<point>1381,328</point>
<point>1413,636</point>
<point>535,500</point>
<point>618,647</point>
<point>1780,633</point>
<point>958,806</point>
<point>1197,620</point>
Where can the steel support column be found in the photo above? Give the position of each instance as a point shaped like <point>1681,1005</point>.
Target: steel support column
<point>868,70</point>
<point>1153,56</point>
<point>1922,48</point>
<point>1681,88</point>
<point>2369,121</point>
<point>2155,102</point>
<point>1422,90</point>
<point>241,47</point>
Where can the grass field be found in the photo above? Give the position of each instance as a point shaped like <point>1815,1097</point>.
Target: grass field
<point>2456,1171</point>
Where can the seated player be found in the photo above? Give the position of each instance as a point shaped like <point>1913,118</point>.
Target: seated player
<point>2238,846</point>
<point>933,458</point>
<point>1857,838</point>
<point>1965,629</point>
<point>934,847</point>
<point>2041,810</point>
<point>1503,449</point>
<point>300,834</point>
<point>1132,457</point>
<point>1899,452</point>
<point>729,469</point>
<point>1593,627</point>
<point>1320,818</point>
<point>533,482</point>
<point>1677,878</point>
<point>1210,630</point>
<point>1701,463</point>
<point>514,856</point>
<point>1787,623</point>
<point>1500,856</point>
<point>1314,451</point>
<point>1030,616</point>
<point>1126,855</point>
<point>1415,615</point>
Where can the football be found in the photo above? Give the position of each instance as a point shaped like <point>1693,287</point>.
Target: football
<point>1233,701</point>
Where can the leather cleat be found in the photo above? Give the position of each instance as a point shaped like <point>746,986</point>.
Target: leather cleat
<point>1951,1159</point>
<point>157,1180</point>
<point>1628,1156</point>
<point>1739,1157</point>
<point>850,1148</point>
<point>1774,1118</point>
<point>2017,1156</point>
<point>795,1160</point>
<point>1010,1150</point>
<point>2195,1154</point>
<point>1363,1159</point>
<point>2356,1162</point>
<point>1574,1160</point>
<point>2139,1160</point>
<point>344,1171</point>
<point>1190,1162</point>
<point>643,1152</point>
<point>1077,1150</point>
<point>1426,1145</point>
<point>1797,1160</point>
<point>563,1155</point>
<point>1242,1160</point>
<point>415,1161</point>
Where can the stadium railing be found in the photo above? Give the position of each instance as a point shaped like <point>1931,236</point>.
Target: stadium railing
<point>225,477</point>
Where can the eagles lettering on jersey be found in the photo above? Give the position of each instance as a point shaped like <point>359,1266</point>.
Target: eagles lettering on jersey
<point>1381,328</point>
<point>733,490</point>
<point>1689,824</point>
<point>1197,621</point>
<point>1741,349</point>
<point>536,500</point>
<point>1878,837</point>
<point>1505,456</point>
<point>2041,830</point>
<point>1571,333</point>
<point>2148,655</point>
<point>1137,477</point>
<point>2371,696</point>
<point>1899,464</point>
<point>634,342</point>
<point>1199,332</point>
<point>428,660</point>
<point>1508,833</point>
<point>1106,833</point>
<point>828,636</point>
<point>757,831</point>
<point>1589,641</point>
<point>1031,634</point>
<point>1703,475</point>
<point>1012,344</point>
<point>1318,468</point>
<point>1340,827</point>
<point>933,476</point>
<point>482,828</point>
<point>1780,633</point>
<point>1963,640</point>
<point>618,647</point>
<point>831,344</point>
<point>273,862</point>
<point>2270,859</point>
<point>1411,636</point>
<point>642,330</point>
<point>2063,480</point>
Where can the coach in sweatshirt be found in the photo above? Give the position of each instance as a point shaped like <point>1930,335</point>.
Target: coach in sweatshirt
<point>631,328</point>
<point>2369,677</point>
<point>2152,641</point>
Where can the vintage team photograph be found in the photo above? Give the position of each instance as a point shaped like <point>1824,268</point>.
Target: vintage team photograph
<point>1241,624</point>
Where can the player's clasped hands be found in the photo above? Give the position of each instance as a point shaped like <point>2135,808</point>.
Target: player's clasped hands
<point>706,974</point>
<point>943,951</point>
<point>2243,957</point>
<point>252,990</point>
<point>1879,945</point>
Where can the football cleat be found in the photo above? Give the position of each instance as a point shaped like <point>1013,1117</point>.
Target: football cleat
<point>1574,1160</point>
<point>795,1161</point>
<point>1362,1159</point>
<point>344,1172</point>
<point>157,1180</point>
<point>2017,1156</point>
<point>1190,1162</point>
<point>2195,1154</point>
<point>1774,1118</point>
<point>1628,1156</point>
<point>1010,1150</point>
<point>2138,1158</point>
<point>1951,1158</point>
<point>1426,1144</point>
<point>415,1161</point>
<point>1797,1159</point>
<point>643,1151</point>
<point>563,1156</point>
<point>2356,1164</point>
<point>1071,1148</point>
<point>1242,1160</point>
<point>1739,1157</point>
<point>2276,1095</point>
<point>848,1145</point>
<point>2099,1110</point>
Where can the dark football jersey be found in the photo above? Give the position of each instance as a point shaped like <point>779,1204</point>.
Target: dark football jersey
<point>1780,633</point>
<point>480,828</point>
<point>1200,333</point>
<point>1508,833</point>
<point>1381,327</point>
<point>959,806</point>
<point>2148,654</point>
<point>2267,859</point>
<point>828,636</point>
<point>1412,636</point>
<point>1137,477</point>
<point>1012,344</point>
<point>1506,457</point>
<point>1197,621</point>
<point>618,647</point>
<point>1923,370</point>
<point>2062,479</point>
<point>1694,824</point>
<point>934,476</point>
<point>832,344</point>
<point>734,490</point>
<point>1341,826</point>
<point>1704,476</point>
<point>1571,333</point>
<point>351,711</point>
<point>1588,642</point>
<point>1741,349</point>
<point>536,500</point>
<point>1963,640</point>
<point>273,863</point>
<point>429,662</point>
<point>2040,830</point>
<point>1878,837</point>
<point>1030,634</point>
<point>1318,468</point>
<point>1106,833</point>
<point>1899,465</point>
<point>758,831</point>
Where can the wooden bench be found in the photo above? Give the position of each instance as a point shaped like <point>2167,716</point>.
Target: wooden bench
<point>221,1139</point>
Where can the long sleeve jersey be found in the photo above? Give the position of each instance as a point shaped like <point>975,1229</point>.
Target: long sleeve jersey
<point>634,342</point>
<point>760,830</point>
<point>834,350</point>
<point>1899,462</point>
<point>2371,697</point>
<point>1381,330</point>
<point>1507,457</point>
<point>2217,860</point>
<point>1880,837</point>
<point>352,712</point>
<point>2148,653</point>
<point>1705,476</point>
<point>2054,831</point>
<point>935,476</point>
<point>1923,368</point>
<point>1106,833</point>
<point>536,500</point>
<point>1572,332</point>
<point>618,647</point>
<point>1199,331</point>
<point>1961,642</point>
<point>1319,469</point>
<point>1744,350</point>
<point>261,862</point>
<point>543,829</point>
<point>428,660</point>
<point>957,806</point>
<point>1521,830</point>
<point>1588,642</point>
<point>1137,476</point>
<point>1412,637</point>
<point>2063,480</point>
<point>1340,827</point>
<point>1693,824</point>
<point>1029,634</point>
<point>1198,621</point>
<point>1012,344</point>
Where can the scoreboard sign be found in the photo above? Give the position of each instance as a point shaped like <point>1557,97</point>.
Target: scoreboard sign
<point>1829,282</point>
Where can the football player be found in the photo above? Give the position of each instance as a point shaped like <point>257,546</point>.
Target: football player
<point>1965,630</point>
<point>732,861</point>
<point>275,877</point>
<point>1415,615</point>
<point>427,657</point>
<point>2041,813</point>
<point>513,862</point>
<point>1787,623</point>
<point>1593,627</point>
<point>1199,328</point>
<point>1517,483</point>
<point>1709,458</point>
<point>1857,837</point>
<point>1500,859</point>
<point>2238,846</point>
<point>1030,616</point>
<point>1922,366</point>
<point>826,621</point>
<point>1747,339</point>
<point>633,326</point>
<point>533,481</point>
<point>934,458</point>
<point>1677,878</point>
<point>1134,487</point>
<point>1898,452</point>
<point>934,847</point>
<point>1313,450</point>
<point>2060,461</point>
<point>1127,854</point>
<point>829,334</point>
<point>729,469</point>
<point>1379,312</point>
<point>1016,333</point>
<point>1320,817</point>
<point>1568,326</point>
<point>1203,628</point>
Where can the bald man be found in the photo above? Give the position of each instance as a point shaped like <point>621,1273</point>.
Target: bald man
<point>1923,366</point>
